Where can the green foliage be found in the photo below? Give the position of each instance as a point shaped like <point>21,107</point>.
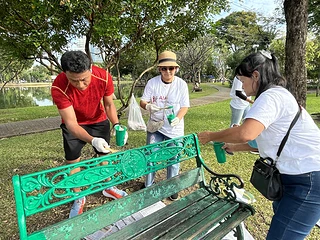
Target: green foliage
<point>10,68</point>
<point>314,16</point>
<point>278,48</point>
<point>32,28</point>
<point>312,55</point>
<point>36,29</point>
<point>135,62</point>
<point>240,31</point>
<point>37,73</point>
<point>313,58</point>
<point>239,34</point>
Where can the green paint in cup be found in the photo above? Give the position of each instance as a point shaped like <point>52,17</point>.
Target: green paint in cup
<point>120,134</point>
<point>170,117</point>
<point>220,153</point>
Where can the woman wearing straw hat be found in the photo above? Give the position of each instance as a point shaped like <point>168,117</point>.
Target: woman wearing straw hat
<point>165,95</point>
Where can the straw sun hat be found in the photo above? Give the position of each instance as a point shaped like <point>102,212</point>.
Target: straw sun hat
<point>167,59</point>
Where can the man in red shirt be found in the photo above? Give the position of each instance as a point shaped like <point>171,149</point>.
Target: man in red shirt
<point>78,92</point>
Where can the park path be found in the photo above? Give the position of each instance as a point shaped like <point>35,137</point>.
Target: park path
<point>12,129</point>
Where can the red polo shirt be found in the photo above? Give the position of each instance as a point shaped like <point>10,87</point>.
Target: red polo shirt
<point>87,103</point>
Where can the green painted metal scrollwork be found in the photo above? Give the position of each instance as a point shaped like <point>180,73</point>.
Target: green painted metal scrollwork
<point>41,190</point>
<point>221,185</point>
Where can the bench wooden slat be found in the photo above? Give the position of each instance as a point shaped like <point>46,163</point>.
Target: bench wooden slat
<point>204,226</point>
<point>196,211</point>
<point>95,219</point>
<point>231,223</point>
<point>136,228</point>
<point>210,216</point>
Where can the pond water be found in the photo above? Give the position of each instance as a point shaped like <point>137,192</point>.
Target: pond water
<point>13,97</point>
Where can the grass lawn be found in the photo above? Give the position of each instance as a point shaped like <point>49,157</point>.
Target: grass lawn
<point>34,152</point>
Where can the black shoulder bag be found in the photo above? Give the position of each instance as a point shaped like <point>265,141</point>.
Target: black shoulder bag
<point>265,176</point>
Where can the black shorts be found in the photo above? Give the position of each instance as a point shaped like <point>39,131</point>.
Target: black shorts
<point>73,146</point>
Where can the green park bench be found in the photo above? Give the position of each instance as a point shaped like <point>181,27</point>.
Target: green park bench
<point>210,211</point>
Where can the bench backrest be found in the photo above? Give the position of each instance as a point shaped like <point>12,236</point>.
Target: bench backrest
<point>40,191</point>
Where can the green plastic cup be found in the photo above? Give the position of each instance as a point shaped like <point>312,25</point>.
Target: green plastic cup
<point>120,134</point>
<point>170,117</point>
<point>220,153</point>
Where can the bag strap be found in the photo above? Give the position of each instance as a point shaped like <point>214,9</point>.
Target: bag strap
<point>284,140</point>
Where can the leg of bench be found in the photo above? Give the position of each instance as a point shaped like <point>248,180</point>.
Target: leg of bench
<point>239,232</point>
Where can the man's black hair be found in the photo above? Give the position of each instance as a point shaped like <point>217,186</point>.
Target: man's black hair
<point>75,61</point>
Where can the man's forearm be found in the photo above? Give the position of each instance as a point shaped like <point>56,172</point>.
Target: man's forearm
<point>77,131</point>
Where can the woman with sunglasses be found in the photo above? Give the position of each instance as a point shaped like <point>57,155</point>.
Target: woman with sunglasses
<point>268,121</point>
<point>166,97</point>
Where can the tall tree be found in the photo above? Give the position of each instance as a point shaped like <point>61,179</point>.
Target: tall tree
<point>10,68</point>
<point>241,31</point>
<point>296,14</point>
<point>239,34</point>
<point>194,55</point>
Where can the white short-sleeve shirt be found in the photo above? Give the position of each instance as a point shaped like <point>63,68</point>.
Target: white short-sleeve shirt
<point>174,94</point>
<point>275,109</point>
<point>237,102</point>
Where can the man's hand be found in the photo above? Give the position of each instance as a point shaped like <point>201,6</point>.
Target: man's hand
<point>152,108</point>
<point>113,131</point>
<point>175,121</point>
<point>100,144</point>
<point>204,137</point>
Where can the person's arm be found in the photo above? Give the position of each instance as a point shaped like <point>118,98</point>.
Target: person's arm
<point>248,131</point>
<point>143,104</point>
<point>182,112</point>
<point>243,97</point>
<point>237,147</point>
<point>69,117</point>
<point>110,109</point>
<point>149,107</point>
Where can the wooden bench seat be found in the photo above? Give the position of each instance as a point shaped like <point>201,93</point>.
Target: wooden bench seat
<point>209,212</point>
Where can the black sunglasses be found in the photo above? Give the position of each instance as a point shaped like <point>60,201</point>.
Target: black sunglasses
<point>167,68</point>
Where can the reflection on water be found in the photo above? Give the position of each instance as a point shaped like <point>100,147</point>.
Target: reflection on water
<point>12,97</point>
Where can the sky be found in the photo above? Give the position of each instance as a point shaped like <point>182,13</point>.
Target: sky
<point>264,7</point>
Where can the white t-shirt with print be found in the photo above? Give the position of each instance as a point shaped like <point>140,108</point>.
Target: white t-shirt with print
<point>174,94</point>
<point>275,109</point>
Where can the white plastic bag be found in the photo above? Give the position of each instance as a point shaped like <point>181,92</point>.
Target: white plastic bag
<point>135,120</point>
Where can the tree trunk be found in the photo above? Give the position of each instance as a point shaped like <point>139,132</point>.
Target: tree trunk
<point>296,14</point>
<point>199,76</point>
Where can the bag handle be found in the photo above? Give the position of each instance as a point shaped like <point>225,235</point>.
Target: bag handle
<point>284,140</point>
